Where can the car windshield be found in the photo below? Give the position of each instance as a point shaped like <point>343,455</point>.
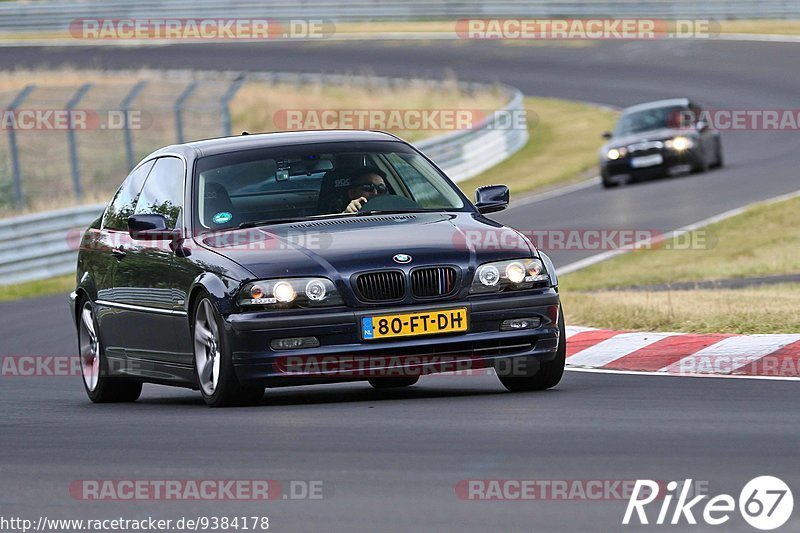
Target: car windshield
<point>280,184</point>
<point>650,119</point>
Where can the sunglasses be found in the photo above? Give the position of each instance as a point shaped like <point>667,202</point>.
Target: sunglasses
<point>371,187</point>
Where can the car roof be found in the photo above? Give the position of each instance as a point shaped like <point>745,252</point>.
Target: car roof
<point>195,149</point>
<point>670,102</point>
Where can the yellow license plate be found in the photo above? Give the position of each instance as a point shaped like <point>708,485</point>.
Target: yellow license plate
<point>410,324</point>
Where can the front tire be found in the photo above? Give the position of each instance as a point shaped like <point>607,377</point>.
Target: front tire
<point>549,374</point>
<point>213,365</point>
<point>98,384</point>
<point>720,162</point>
<point>701,164</point>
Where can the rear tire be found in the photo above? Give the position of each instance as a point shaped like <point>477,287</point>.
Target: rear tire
<point>98,384</point>
<point>393,383</point>
<point>213,365</point>
<point>549,374</point>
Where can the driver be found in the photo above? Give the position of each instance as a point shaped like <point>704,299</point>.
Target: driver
<point>367,182</point>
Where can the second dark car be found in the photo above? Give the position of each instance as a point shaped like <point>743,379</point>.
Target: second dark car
<point>657,139</point>
<point>235,264</point>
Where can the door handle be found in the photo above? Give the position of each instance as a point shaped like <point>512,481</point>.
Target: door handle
<point>119,252</point>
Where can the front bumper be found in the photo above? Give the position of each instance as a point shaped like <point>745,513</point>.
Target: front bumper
<point>674,163</point>
<point>344,356</point>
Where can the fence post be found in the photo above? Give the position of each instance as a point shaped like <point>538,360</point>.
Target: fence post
<point>178,109</point>
<point>225,103</point>
<point>72,142</point>
<point>125,106</point>
<point>16,173</point>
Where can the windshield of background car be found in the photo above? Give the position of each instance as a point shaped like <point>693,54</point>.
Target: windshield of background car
<point>316,180</point>
<point>650,119</point>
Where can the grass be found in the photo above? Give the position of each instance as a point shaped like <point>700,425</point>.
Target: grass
<point>768,27</point>
<point>762,241</point>
<point>33,289</point>
<point>772,309</point>
<point>564,139</point>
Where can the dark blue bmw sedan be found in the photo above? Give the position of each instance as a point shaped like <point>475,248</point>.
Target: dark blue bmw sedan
<point>235,264</point>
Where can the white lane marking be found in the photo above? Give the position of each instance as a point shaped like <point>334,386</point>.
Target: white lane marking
<point>662,374</point>
<point>604,256</point>
<point>758,38</point>
<point>574,330</point>
<point>561,191</point>
<point>612,349</point>
<point>728,355</point>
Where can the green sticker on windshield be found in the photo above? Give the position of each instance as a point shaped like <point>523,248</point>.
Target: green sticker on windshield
<point>222,218</point>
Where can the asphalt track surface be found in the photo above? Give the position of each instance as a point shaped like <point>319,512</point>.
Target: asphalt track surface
<point>392,460</point>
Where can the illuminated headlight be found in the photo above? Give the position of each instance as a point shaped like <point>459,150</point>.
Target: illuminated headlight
<point>615,153</point>
<point>512,275</point>
<point>679,143</point>
<point>290,292</point>
<point>515,272</point>
<point>284,292</point>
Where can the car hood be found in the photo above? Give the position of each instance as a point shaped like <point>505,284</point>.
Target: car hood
<point>340,247</point>
<point>650,135</point>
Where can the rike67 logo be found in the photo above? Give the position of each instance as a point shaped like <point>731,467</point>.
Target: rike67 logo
<point>766,503</point>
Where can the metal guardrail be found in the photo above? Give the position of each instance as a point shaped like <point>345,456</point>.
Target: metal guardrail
<point>43,245</point>
<point>53,15</point>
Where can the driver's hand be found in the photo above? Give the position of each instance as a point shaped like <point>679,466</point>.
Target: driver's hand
<point>355,205</point>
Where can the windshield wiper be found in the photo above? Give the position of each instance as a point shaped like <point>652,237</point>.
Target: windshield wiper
<point>254,223</point>
<point>396,211</point>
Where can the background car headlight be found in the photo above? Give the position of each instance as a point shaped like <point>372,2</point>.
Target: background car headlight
<point>615,153</point>
<point>679,143</point>
<point>509,275</point>
<point>290,292</point>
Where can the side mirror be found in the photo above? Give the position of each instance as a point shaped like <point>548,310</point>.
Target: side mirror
<point>702,125</point>
<point>149,227</point>
<point>491,198</point>
<point>606,135</point>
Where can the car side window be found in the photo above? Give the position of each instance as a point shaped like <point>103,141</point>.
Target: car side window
<point>124,202</point>
<point>163,191</point>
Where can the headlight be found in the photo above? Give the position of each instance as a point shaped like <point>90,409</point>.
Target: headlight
<point>679,143</point>
<point>512,275</point>
<point>290,292</point>
<point>615,153</point>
